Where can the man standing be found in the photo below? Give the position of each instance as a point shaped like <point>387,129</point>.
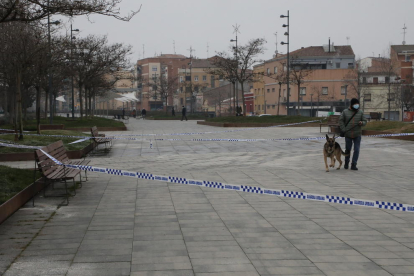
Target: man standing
<point>173,111</point>
<point>143,113</point>
<point>184,113</point>
<point>350,122</point>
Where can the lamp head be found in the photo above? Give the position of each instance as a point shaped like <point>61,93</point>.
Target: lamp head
<point>286,33</point>
<point>75,30</point>
<point>283,16</point>
<point>233,40</point>
<point>284,25</point>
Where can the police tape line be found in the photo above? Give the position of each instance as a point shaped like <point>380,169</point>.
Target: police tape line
<point>163,134</point>
<point>83,139</point>
<point>244,188</point>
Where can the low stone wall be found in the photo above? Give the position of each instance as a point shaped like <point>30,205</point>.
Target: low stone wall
<point>254,124</point>
<point>30,156</point>
<point>100,129</point>
<point>52,127</point>
<point>12,205</point>
<point>374,132</point>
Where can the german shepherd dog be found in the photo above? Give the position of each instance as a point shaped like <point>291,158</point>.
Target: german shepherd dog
<point>332,149</point>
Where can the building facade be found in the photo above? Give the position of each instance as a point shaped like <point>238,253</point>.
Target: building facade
<point>322,72</point>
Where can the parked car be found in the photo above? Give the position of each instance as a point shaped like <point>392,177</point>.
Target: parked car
<point>265,115</point>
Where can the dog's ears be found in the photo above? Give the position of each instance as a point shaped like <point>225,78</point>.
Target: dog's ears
<point>327,137</point>
<point>333,137</point>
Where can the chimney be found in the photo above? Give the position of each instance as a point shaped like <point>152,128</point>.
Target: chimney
<point>329,45</point>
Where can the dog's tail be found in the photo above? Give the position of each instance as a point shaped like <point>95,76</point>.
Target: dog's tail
<point>345,153</point>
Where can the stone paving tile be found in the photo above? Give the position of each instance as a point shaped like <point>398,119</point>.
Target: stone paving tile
<point>122,226</point>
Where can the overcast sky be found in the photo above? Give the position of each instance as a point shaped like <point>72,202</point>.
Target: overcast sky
<point>371,25</point>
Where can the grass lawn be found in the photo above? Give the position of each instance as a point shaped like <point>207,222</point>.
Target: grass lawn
<point>390,126</point>
<point>12,181</point>
<point>69,123</point>
<point>263,119</point>
<point>45,140</point>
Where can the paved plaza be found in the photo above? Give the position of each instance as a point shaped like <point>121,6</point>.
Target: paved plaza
<point>122,226</point>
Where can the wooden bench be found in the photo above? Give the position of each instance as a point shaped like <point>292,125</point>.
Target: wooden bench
<point>98,141</point>
<point>53,172</point>
<point>333,122</point>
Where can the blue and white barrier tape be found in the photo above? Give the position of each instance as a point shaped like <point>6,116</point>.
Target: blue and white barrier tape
<point>243,188</point>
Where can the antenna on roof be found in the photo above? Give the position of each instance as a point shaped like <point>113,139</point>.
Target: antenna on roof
<point>404,32</point>
<point>208,48</point>
<point>276,52</point>
<point>347,40</point>
<point>174,46</point>
<point>143,50</point>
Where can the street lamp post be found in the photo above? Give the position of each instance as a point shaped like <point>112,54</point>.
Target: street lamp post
<point>237,71</point>
<point>278,102</point>
<point>311,105</point>
<point>71,56</point>
<point>288,60</point>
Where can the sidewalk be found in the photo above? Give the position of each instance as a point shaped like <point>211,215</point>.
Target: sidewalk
<point>122,226</point>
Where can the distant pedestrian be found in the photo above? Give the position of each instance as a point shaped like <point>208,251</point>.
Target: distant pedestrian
<point>184,113</point>
<point>173,111</point>
<point>134,113</point>
<point>123,113</point>
<point>143,113</point>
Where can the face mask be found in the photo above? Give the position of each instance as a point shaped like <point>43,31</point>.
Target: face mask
<point>355,106</point>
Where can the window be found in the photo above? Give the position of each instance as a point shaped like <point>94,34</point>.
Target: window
<point>268,106</point>
<point>204,78</point>
<point>284,67</point>
<point>212,82</point>
<point>324,90</point>
<point>364,80</point>
<point>273,90</point>
<point>268,90</point>
<point>273,106</point>
<point>284,93</point>
<point>196,78</point>
<point>262,106</point>
<point>303,90</point>
<point>367,97</point>
<point>392,97</point>
<point>268,71</point>
<point>187,78</point>
<point>350,66</point>
<point>338,65</point>
<point>343,90</point>
<point>181,79</point>
<point>255,91</point>
<point>275,70</point>
<point>375,80</point>
<point>154,68</point>
<point>387,79</point>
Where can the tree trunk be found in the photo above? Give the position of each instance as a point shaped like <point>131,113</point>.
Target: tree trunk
<point>19,115</point>
<point>38,95</point>
<point>297,107</point>
<point>243,100</point>
<point>80,101</point>
<point>46,101</point>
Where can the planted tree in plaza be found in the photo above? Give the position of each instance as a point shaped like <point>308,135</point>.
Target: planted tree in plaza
<point>164,86</point>
<point>298,73</point>
<point>35,10</point>
<point>95,59</point>
<point>22,48</point>
<point>237,67</point>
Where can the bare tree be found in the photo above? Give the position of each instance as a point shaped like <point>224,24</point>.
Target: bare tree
<point>238,66</point>
<point>34,10</point>
<point>298,73</point>
<point>164,86</point>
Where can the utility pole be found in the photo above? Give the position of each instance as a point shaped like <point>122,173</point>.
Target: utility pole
<point>191,78</point>
<point>236,31</point>
<point>288,59</point>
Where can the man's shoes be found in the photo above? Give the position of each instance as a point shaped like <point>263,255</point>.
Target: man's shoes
<point>354,167</point>
<point>346,166</point>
